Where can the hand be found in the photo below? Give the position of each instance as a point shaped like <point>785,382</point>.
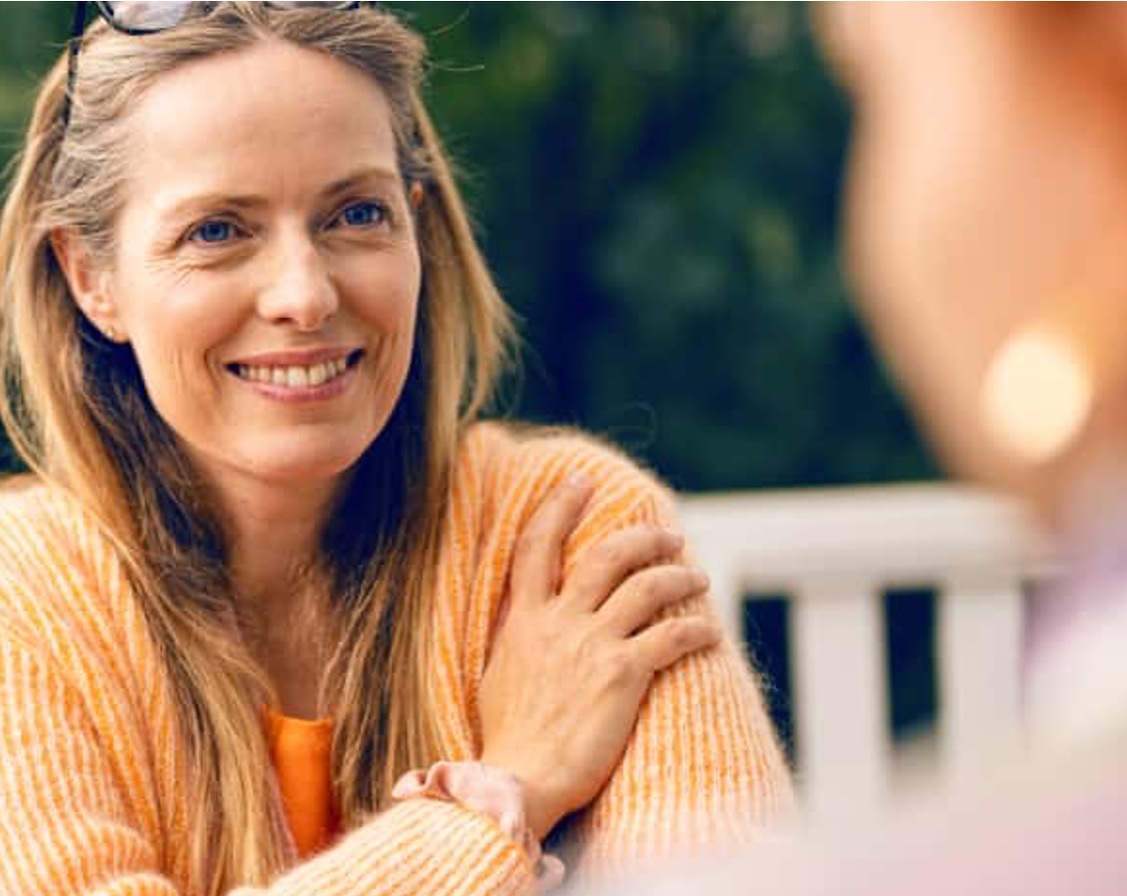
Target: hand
<point>569,667</point>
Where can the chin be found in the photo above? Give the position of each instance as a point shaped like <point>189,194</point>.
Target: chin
<point>305,461</point>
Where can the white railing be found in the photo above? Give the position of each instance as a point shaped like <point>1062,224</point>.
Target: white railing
<point>834,553</point>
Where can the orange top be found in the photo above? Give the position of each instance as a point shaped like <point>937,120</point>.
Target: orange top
<point>97,791</point>
<point>300,750</point>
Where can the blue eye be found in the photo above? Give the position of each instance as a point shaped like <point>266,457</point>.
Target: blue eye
<point>363,214</point>
<point>213,231</point>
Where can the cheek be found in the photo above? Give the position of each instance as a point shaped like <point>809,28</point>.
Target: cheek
<point>171,330</point>
<point>394,316</point>
<point>385,295</point>
<point>390,307</point>
<point>176,379</point>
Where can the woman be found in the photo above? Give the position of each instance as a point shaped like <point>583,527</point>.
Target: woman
<point>269,563</point>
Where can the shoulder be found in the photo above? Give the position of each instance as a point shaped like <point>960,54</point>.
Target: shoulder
<point>36,531</point>
<point>57,570</point>
<point>511,468</point>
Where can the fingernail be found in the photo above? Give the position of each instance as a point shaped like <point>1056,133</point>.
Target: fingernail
<point>675,540</point>
<point>700,578</point>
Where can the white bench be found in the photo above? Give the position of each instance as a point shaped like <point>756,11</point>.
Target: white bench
<point>834,553</point>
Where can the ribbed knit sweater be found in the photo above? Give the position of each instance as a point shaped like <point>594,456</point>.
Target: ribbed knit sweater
<point>93,791</point>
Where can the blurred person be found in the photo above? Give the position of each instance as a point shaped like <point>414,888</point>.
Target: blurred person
<point>280,612</point>
<point>985,219</point>
<point>987,201</point>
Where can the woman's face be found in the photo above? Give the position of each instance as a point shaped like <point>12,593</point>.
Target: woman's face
<point>266,272</point>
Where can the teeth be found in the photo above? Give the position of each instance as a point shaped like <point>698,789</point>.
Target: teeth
<point>297,376</point>
<point>293,377</point>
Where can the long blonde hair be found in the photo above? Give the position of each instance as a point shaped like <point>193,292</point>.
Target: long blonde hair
<point>77,413</point>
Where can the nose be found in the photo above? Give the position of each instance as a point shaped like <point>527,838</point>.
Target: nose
<point>299,289</point>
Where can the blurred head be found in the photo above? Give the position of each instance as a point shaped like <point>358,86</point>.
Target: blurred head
<point>986,211</point>
<point>254,193</point>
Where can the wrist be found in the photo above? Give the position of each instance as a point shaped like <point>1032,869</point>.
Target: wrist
<point>541,811</point>
<point>542,806</point>
<point>498,793</point>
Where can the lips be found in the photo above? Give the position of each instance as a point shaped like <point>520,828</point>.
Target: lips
<point>296,369</point>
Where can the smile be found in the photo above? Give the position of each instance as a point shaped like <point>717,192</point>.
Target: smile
<point>291,375</point>
<point>327,379</point>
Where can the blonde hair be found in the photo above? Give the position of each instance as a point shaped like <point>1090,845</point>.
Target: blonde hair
<point>77,413</point>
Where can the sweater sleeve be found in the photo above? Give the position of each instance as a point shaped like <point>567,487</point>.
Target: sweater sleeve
<point>66,828</point>
<point>702,772</point>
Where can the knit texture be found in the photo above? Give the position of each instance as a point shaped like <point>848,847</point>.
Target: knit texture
<point>93,791</point>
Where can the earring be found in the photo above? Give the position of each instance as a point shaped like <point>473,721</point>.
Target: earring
<point>1036,395</point>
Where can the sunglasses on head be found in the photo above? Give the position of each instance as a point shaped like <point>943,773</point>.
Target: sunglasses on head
<point>150,18</point>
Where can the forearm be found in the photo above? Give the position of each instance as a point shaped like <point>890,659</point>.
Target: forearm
<point>418,846</point>
<point>68,826</point>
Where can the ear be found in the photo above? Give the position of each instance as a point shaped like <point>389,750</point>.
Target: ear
<point>89,284</point>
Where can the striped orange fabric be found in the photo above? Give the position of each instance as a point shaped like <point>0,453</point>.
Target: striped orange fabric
<point>300,750</point>
<point>94,789</point>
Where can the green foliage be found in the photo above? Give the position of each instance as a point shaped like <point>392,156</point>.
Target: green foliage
<point>31,36</point>
<point>657,186</point>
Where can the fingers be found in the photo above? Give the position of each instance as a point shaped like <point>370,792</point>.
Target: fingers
<point>538,551</point>
<point>604,567</point>
<point>646,593</point>
<point>665,642</point>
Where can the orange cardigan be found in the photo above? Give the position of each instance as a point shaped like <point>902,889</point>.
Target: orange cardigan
<point>94,791</point>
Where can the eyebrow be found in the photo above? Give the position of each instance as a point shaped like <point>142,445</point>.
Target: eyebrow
<point>251,201</point>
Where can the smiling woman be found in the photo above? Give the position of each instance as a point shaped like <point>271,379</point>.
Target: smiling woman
<point>282,262</point>
<point>271,559</point>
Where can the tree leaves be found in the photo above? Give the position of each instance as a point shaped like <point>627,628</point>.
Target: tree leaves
<point>657,186</point>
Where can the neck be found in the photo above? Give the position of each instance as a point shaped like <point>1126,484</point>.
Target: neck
<point>273,535</point>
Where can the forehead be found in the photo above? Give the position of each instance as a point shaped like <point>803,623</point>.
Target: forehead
<point>275,119</point>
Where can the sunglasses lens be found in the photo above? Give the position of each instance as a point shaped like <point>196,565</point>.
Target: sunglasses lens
<point>312,5</point>
<point>160,16</point>
<point>147,16</point>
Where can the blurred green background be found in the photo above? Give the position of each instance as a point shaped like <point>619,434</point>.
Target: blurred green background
<point>657,188</point>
